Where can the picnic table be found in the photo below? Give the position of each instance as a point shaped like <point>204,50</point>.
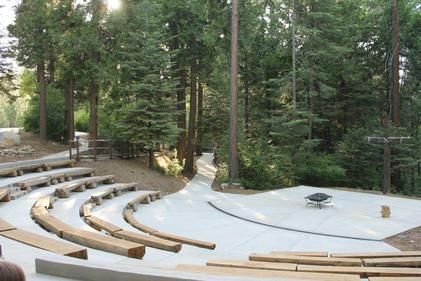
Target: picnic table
<point>318,199</point>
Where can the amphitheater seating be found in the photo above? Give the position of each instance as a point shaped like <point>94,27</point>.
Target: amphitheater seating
<point>377,254</point>
<point>128,216</point>
<point>296,253</point>
<point>145,198</point>
<point>364,272</point>
<point>4,194</point>
<point>58,164</point>
<point>8,172</point>
<point>81,184</point>
<point>394,262</point>
<point>306,260</point>
<point>253,265</point>
<point>29,183</point>
<point>393,279</point>
<point>9,231</point>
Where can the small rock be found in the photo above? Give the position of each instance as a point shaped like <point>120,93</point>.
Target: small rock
<point>9,139</point>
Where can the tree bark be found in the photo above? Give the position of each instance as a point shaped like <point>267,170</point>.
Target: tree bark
<point>189,165</point>
<point>181,110</point>
<point>247,108</point>
<point>93,110</point>
<point>395,64</point>
<point>199,140</point>
<point>42,101</point>
<point>233,156</point>
<point>69,133</point>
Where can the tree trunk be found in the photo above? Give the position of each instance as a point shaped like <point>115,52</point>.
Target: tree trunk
<point>51,71</point>
<point>42,102</point>
<point>69,131</point>
<point>247,108</point>
<point>199,141</point>
<point>189,165</point>
<point>151,158</point>
<point>181,110</point>
<point>233,157</point>
<point>395,64</point>
<point>93,110</point>
<point>294,94</point>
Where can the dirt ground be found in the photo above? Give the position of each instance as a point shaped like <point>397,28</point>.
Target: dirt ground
<point>41,150</point>
<point>406,241</point>
<point>137,171</point>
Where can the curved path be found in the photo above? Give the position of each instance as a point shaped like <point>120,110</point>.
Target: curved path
<point>186,213</point>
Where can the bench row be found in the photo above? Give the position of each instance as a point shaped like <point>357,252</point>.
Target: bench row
<point>19,169</point>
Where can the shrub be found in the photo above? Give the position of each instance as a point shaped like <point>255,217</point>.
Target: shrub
<point>55,114</point>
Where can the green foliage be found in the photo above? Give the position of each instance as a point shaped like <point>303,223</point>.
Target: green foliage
<point>55,114</point>
<point>81,120</point>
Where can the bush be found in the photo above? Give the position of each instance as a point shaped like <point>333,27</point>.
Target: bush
<point>55,114</point>
<point>81,120</point>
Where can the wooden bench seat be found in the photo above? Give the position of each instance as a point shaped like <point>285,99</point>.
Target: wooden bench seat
<point>244,272</point>
<point>145,198</point>
<point>45,201</point>
<point>148,240</point>
<point>299,253</point>
<point>5,226</point>
<point>105,243</point>
<point>79,172</point>
<point>52,224</point>
<point>4,194</point>
<point>119,188</point>
<point>80,185</point>
<point>58,164</point>
<point>29,183</point>
<point>185,240</point>
<point>253,265</point>
<point>306,260</point>
<point>8,172</point>
<point>377,254</point>
<point>394,262</point>
<point>128,216</point>
<point>100,224</point>
<point>34,167</point>
<point>364,272</point>
<point>85,210</point>
<point>393,279</point>
<point>46,243</point>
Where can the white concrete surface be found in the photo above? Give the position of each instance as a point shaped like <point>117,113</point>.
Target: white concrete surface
<point>188,213</point>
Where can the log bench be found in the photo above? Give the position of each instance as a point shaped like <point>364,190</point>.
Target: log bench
<point>128,216</point>
<point>45,201</point>
<point>8,172</point>
<point>80,185</point>
<point>4,194</point>
<point>46,243</point>
<point>79,172</point>
<point>85,209</point>
<point>393,279</point>
<point>261,274</point>
<point>363,272</point>
<point>99,197</point>
<point>253,265</point>
<point>29,183</point>
<point>47,166</point>
<point>185,240</point>
<point>32,239</point>
<point>394,262</point>
<point>118,232</point>
<point>105,243</point>
<point>306,260</point>
<point>377,254</point>
<point>119,188</point>
<point>145,198</point>
<point>299,253</point>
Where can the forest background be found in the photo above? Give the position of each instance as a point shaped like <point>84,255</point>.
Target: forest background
<point>157,72</point>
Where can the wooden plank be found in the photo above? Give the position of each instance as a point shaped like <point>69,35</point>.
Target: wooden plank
<point>5,226</point>
<point>86,210</point>
<point>253,265</point>
<point>148,240</point>
<point>44,180</point>
<point>141,199</point>
<point>123,187</point>
<point>102,225</point>
<point>185,240</point>
<point>8,172</point>
<point>364,272</point>
<point>4,194</point>
<point>364,255</point>
<point>105,243</point>
<point>38,211</point>
<point>394,262</point>
<point>44,201</point>
<point>46,243</point>
<point>243,272</point>
<point>393,279</point>
<point>299,253</point>
<point>306,260</point>
<point>30,167</point>
<point>128,216</point>
<point>60,163</point>
<point>78,172</point>
<point>52,224</point>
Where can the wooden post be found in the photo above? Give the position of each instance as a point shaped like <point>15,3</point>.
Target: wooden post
<point>70,149</point>
<point>77,149</point>
<point>94,150</point>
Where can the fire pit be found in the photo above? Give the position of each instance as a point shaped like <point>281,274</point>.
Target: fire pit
<point>318,199</point>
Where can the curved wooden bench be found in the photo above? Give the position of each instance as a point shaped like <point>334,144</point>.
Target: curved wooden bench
<point>69,175</point>
<point>119,188</point>
<point>393,279</point>
<point>82,237</point>
<point>363,272</point>
<point>368,255</point>
<point>4,194</point>
<point>306,260</point>
<point>80,185</point>
<point>394,262</point>
<point>146,199</point>
<point>245,272</point>
<point>32,239</point>
<point>253,265</point>
<point>8,172</point>
<point>120,233</point>
<point>299,253</point>
<point>29,183</point>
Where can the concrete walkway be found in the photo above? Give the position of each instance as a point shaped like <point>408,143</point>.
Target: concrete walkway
<point>189,213</point>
